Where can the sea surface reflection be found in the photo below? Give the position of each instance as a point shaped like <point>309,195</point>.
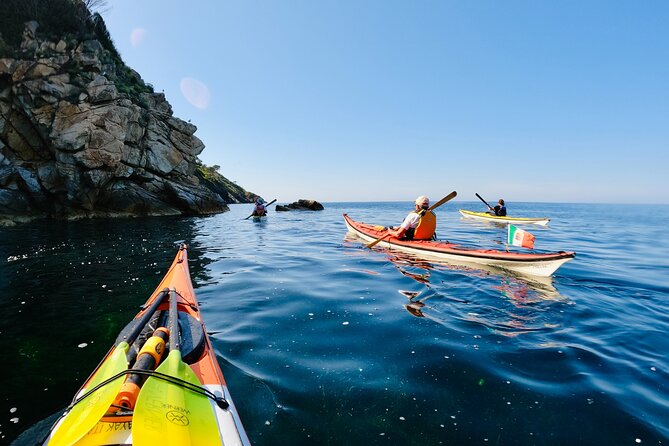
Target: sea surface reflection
<point>323,341</point>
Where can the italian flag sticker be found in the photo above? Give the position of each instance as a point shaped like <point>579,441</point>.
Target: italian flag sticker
<point>518,237</point>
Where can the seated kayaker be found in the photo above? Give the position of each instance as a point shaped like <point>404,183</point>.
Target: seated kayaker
<point>499,210</point>
<point>259,210</point>
<point>420,224</point>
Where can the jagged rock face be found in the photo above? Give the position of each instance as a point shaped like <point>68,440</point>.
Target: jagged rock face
<point>72,145</point>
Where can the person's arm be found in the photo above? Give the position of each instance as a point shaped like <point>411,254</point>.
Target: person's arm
<point>399,232</point>
<point>406,224</point>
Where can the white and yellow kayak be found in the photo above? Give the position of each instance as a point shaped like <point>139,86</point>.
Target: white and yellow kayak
<point>513,220</point>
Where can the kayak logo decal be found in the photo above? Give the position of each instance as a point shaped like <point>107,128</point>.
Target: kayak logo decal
<point>178,418</point>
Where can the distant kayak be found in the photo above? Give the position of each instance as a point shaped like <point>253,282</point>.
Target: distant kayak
<point>140,396</point>
<point>259,218</point>
<point>536,264</point>
<point>505,219</point>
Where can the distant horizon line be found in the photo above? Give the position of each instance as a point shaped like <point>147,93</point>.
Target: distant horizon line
<point>585,203</point>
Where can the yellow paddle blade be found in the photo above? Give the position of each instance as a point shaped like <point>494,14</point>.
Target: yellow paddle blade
<point>85,414</point>
<point>167,414</point>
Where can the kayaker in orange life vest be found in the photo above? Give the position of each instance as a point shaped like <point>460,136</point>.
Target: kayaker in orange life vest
<point>420,224</point>
<point>259,210</point>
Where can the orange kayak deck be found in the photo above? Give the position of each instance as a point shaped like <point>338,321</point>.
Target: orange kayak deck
<point>115,427</point>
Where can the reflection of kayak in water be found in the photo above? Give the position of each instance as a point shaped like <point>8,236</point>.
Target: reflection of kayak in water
<point>415,308</point>
<point>506,219</point>
<point>536,264</point>
<point>138,395</point>
<point>401,260</point>
<point>511,308</point>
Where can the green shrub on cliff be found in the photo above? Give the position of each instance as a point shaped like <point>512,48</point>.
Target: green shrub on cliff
<point>228,190</point>
<point>72,21</point>
<point>56,18</point>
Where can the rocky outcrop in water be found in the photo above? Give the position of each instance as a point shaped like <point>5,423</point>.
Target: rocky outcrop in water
<point>82,135</point>
<point>301,205</point>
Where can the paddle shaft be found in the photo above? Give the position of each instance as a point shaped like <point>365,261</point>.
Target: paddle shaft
<point>174,322</point>
<point>159,400</point>
<point>265,206</point>
<point>486,203</point>
<point>82,417</point>
<point>443,200</point>
<point>146,317</point>
<point>434,206</point>
<point>378,240</point>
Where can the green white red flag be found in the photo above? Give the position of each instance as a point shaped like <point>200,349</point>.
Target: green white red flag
<point>518,237</point>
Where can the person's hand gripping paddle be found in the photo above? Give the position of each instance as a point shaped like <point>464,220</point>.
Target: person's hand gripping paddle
<point>434,206</point>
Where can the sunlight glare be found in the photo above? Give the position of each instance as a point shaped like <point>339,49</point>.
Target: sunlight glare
<point>137,36</point>
<point>195,92</point>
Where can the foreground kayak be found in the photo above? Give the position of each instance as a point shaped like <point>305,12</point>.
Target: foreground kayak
<point>147,393</point>
<point>513,220</point>
<point>542,265</point>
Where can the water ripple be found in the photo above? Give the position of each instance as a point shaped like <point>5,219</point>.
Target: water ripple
<point>323,341</point>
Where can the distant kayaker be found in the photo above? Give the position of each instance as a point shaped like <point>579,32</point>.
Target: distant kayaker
<point>259,210</point>
<point>499,210</point>
<point>420,224</point>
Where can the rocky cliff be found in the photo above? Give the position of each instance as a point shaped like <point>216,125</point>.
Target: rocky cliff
<point>82,135</point>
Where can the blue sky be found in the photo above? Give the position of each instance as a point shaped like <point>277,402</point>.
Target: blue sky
<point>361,100</point>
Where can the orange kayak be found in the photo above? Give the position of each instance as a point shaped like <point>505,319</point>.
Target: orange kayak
<point>160,384</point>
<point>533,264</point>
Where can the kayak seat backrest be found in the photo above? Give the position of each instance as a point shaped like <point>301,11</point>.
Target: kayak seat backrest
<point>192,336</point>
<point>145,334</point>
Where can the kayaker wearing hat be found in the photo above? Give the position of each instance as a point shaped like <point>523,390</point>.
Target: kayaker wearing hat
<point>420,224</point>
<point>259,210</point>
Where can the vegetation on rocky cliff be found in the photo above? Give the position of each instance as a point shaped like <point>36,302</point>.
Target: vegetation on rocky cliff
<point>230,191</point>
<point>58,19</point>
<point>82,135</point>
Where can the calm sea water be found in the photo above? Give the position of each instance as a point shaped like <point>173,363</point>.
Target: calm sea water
<point>323,341</point>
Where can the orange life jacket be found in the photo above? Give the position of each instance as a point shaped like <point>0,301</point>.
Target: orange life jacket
<point>426,226</point>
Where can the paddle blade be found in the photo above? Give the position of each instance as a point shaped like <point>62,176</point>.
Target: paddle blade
<point>167,414</point>
<point>85,414</point>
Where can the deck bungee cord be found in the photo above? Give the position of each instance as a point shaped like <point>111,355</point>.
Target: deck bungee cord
<point>220,400</point>
<point>148,392</point>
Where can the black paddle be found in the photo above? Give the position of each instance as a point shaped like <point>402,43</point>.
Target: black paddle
<point>265,206</point>
<point>486,203</point>
<point>434,206</point>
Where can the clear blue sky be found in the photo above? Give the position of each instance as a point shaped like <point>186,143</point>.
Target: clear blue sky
<point>361,100</point>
